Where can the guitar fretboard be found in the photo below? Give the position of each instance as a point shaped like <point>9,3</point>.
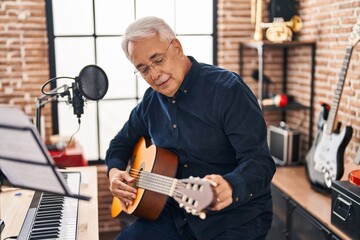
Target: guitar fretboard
<point>155,182</point>
<point>330,124</point>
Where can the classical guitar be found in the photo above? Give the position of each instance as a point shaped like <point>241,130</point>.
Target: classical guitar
<point>154,169</point>
<point>325,159</point>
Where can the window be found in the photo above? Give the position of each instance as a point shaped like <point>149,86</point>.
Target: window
<point>87,32</point>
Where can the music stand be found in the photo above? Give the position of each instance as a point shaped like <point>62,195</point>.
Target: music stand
<point>24,158</point>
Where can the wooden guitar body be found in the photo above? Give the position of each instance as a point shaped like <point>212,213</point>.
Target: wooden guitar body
<point>148,204</point>
<point>154,169</point>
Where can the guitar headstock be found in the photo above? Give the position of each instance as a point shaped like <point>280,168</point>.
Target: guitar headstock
<point>194,195</point>
<point>355,34</point>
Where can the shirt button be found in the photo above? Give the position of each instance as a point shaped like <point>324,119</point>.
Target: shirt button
<point>174,126</point>
<point>236,199</point>
<point>185,91</point>
<point>251,194</point>
<point>185,165</point>
<point>173,101</point>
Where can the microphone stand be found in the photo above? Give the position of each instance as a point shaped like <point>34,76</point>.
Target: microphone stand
<point>41,101</point>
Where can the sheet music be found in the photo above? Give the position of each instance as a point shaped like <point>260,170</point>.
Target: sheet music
<point>24,158</point>
<point>32,176</point>
<point>23,142</point>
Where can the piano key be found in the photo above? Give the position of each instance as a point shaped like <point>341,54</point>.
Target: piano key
<point>51,216</point>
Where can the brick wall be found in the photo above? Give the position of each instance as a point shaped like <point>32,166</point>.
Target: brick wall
<point>329,24</point>
<point>24,64</point>
<point>23,55</point>
<point>106,222</point>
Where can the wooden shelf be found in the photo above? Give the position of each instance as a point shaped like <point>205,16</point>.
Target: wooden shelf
<point>265,43</point>
<point>260,47</point>
<point>290,106</point>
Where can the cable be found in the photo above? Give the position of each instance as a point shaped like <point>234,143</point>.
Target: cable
<point>67,144</point>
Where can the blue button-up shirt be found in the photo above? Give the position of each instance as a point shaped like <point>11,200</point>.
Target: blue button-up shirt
<point>215,125</point>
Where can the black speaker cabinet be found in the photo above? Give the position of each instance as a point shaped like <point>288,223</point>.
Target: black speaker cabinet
<point>345,212</point>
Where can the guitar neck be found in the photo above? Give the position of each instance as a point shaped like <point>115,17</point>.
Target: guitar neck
<point>156,183</point>
<point>330,124</point>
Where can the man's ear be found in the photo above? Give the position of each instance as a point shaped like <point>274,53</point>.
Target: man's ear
<point>177,45</point>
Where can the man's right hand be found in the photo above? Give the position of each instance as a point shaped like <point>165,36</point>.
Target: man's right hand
<point>120,188</point>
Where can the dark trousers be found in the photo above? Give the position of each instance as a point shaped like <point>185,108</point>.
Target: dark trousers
<point>164,229</point>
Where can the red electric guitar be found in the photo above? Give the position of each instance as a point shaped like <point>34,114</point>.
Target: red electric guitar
<point>154,169</point>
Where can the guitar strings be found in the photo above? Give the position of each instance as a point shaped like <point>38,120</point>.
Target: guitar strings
<point>162,184</point>
<point>169,186</point>
<point>161,181</point>
<point>155,182</point>
<point>155,177</point>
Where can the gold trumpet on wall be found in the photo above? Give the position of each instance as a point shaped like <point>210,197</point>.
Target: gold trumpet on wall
<point>281,31</point>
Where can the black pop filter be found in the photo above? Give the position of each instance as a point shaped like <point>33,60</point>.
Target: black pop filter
<point>93,82</point>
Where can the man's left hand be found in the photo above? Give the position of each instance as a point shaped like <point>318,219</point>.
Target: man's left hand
<point>222,192</point>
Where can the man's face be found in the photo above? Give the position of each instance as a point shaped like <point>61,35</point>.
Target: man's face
<point>162,65</point>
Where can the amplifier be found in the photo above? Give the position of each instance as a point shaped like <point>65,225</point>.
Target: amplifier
<point>284,145</point>
<point>345,210</point>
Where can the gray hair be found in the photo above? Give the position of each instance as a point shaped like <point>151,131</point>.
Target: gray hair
<point>145,28</point>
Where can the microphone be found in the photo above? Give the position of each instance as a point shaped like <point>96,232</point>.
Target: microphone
<point>77,101</point>
<point>279,100</point>
<point>92,83</point>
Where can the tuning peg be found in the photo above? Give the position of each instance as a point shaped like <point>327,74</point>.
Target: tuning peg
<point>214,184</point>
<point>202,215</point>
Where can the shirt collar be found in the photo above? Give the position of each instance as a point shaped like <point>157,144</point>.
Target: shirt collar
<point>189,79</point>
